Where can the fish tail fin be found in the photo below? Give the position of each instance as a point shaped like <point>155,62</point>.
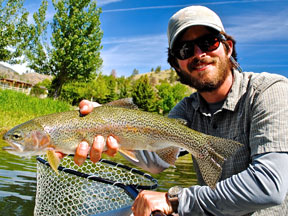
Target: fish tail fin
<point>53,160</point>
<point>211,159</point>
<point>210,171</point>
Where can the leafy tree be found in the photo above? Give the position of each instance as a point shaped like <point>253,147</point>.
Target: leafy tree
<point>135,72</point>
<point>111,86</point>
<point>37,90</point>
<point>167,100</point>
<point>46,83</point>
<point>172,76</point>
<point>158,69</point>
<point>180,91</point>
<point>124,87</point>
<point>14,30</point>
<point>143,94</point>
<point>72,92</point>
<point>98,89</point>
<point>169,95</point>
<point>75,42</point>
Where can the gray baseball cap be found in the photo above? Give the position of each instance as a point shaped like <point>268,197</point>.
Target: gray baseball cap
<point>191,16</point>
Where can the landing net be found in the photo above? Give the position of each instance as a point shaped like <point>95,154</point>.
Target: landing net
<point>89,189</point>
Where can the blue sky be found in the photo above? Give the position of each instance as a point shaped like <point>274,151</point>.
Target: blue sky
<point>135,32</point>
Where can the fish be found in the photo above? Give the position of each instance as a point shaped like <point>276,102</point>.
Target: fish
<point>134,129</point>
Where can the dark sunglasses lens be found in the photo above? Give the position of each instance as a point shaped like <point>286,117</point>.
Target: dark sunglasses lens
<point>186,50</point>
<point>206,44</point>
<point>209,43</point>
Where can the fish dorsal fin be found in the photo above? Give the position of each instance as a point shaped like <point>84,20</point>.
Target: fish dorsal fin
<point>124,103</point>
<point>182,121</point>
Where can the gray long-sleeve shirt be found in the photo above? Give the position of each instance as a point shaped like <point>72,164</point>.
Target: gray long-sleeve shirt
<point>254,113</point>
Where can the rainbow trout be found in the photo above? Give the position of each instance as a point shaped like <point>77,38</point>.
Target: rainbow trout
<point>133,129</point>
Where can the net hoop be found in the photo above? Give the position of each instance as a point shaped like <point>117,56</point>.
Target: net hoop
<point>107,181</point>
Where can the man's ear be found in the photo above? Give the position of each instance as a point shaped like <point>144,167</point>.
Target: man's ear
<point>230,51</point>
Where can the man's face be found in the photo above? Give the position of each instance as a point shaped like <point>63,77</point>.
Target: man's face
<point>204,71</point>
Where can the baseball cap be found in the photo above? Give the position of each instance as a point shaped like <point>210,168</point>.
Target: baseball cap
<point>191,16</point>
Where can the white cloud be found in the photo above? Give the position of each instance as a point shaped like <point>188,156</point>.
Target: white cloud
<point>181,5</point>
<point>257,27</point>
<point>142,53</point>
<point>19,68</point>
<point>105,2</point>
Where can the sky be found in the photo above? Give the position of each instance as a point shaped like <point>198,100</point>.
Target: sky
<point>134,32</point>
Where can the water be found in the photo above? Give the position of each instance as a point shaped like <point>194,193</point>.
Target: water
<point>18,181</point>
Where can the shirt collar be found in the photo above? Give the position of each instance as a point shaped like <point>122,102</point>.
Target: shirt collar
<point>232,99</point>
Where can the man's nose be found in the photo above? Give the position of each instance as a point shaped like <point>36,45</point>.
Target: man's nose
<point>198,52</point>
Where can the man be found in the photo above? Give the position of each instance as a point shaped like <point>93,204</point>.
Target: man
<point>248,107</point>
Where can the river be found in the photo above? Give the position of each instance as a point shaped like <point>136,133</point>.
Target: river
<point>18,181</point>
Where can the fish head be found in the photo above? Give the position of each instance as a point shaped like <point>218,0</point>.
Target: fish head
<point>27,139</point>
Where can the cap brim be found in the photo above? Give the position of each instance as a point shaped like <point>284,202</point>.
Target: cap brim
<point>187,25</point>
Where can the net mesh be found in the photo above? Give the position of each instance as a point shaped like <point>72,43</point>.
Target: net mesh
<point>86,190</point>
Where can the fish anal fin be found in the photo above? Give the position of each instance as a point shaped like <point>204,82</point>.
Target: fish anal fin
<point>53,160</point>
<point>169,154</point>
<point>129,153</point>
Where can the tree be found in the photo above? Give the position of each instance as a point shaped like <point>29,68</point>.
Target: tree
<point>172,76</point>
<point>111,86</point>
<point>124,87</point>
<point>167,100</point>
<point>158,69</point>
<point>143,94</point>
<point>75,42</point>
<point>97,89</point>
<point>169,95</point>
<point>14,30</point>
<point>114,73</point>
<point>135,72</point>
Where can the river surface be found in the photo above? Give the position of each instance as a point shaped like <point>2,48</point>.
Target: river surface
<point>18,181</point>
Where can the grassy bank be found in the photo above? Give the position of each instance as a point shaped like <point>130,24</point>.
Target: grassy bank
<point>16,108</point>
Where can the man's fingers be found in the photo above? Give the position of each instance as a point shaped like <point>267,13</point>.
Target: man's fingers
<point>81,153</point>
<point>60,155</point>
<point>85,107</point>
<point>112,146</point>
<point>97,148</point>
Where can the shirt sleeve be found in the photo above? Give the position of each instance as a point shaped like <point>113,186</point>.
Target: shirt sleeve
<point>149,161</point>
<point>269,115</point>
<point>263,184</point>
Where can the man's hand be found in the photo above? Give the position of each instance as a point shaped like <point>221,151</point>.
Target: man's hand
<point>98,145</point>
<point>148,201</point>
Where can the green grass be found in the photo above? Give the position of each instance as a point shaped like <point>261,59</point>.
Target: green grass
<point>16,108</point>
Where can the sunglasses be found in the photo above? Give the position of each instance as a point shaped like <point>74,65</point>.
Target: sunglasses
<point>206,43</point>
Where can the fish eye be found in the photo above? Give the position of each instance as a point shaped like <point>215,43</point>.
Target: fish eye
<point>17,135</point>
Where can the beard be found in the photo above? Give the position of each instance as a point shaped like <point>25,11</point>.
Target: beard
<point>205,85</point>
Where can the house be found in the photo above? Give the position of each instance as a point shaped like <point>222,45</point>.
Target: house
<point>21,86</point>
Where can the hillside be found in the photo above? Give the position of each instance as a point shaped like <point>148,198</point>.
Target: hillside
<point>157,77</point>
<point>33,78</point>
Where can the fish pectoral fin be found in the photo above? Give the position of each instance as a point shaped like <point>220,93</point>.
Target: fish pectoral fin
<point>210,170</point>
<point>53,160</point>
<point>169,154</point>
<point>129,153</point>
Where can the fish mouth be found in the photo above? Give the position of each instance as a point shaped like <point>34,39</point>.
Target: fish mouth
<point>14,147</point>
